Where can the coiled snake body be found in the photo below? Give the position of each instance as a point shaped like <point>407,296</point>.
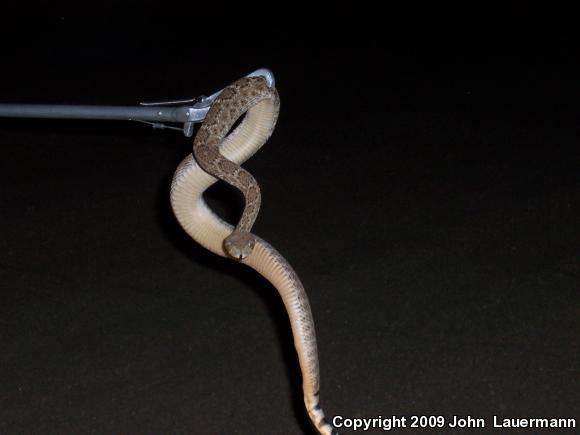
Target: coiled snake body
<point>219,154</point>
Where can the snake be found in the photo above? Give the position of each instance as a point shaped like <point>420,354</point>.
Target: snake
<point>219,148</point>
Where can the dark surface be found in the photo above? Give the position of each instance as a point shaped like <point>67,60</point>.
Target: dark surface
<point>424,185</point>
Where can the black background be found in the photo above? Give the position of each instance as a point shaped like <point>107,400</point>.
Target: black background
<point>423,180</point>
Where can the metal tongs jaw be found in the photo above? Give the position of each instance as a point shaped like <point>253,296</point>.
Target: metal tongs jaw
<point>194,110</point>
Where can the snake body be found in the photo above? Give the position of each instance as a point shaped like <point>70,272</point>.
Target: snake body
<point>218,155</point>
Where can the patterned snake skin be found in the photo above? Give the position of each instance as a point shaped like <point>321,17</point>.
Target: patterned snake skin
<point>218,156</point>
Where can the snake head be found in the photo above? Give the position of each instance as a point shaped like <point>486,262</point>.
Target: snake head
<point>239,245</point>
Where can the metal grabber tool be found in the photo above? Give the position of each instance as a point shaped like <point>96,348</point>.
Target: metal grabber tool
<point>159,115</point>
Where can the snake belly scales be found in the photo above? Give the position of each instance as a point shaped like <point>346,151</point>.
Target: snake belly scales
<point>218,155</point>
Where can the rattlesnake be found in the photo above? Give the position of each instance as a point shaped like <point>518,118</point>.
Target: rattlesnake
<point>218,155</point>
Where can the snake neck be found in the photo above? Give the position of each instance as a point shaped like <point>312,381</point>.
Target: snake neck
<point>211,161</point>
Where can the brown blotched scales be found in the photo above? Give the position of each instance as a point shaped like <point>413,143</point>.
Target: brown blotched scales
<point>218,155</point>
